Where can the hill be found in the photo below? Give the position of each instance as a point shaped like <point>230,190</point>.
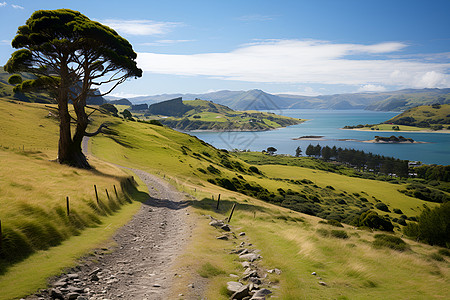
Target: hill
<point>420,118</point>
<point>269,199</point>
<point>207,115</point>
<point>260,100</point>
<point>433,116</point>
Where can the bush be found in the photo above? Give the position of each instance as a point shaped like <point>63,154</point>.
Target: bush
<point>390,241</point>
<point>335,223</point>
<point>372,220</point>
<point>398,211</point>
<point>433,226</point>
<point>444,252</point>
<point>340,234</point>
<point>254,170</point>
<point>381,206</point>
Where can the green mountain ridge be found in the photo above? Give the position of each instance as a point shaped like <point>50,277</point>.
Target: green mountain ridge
<point>206,115</point>
<point>259,100</point>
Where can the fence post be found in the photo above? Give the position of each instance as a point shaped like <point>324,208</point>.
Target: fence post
<point>116,191</point>
<point>107,195</point>
<point>218,201</point>
<point>67,204</point>
<point>1,235</point>
<point>96,194</point>
<point>231,214</point>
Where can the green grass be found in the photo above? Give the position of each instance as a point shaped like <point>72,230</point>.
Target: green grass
<point>33,201</point>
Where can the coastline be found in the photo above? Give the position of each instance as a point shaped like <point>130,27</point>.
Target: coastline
<point>445,131</point>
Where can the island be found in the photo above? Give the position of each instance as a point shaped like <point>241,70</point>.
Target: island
<point>393,140</point>
<point>202,115</point>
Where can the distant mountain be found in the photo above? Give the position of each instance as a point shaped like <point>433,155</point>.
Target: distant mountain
<point>122,101</point>
<point>411,98</point>
<point>260,100</point>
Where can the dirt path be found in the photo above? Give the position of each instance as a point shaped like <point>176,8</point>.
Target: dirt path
<point>139,267</point>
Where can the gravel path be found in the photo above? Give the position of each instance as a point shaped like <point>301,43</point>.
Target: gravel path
<point>139,267</point>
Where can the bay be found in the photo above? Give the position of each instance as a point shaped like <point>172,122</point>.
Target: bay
<point>327,123</point>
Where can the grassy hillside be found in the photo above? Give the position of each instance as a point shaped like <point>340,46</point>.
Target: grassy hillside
<point>34,189</point>
<point>296,243</point>
<point>206,115</point>
<point>425,117</point>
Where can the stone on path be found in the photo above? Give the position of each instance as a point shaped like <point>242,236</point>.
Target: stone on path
<point>261,294</point>
<point>243,292</point>
<point>233,286</point>
<point>250,257</point>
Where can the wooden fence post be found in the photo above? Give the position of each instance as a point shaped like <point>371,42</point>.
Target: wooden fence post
<point>218,201</point>
<point>67,205</point>
<point>231,214</point>
<point>115,190</point>
<point>1,235</point>
<point>96,194</point>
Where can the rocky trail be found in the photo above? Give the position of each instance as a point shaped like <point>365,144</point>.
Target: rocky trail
<point>139,266</point>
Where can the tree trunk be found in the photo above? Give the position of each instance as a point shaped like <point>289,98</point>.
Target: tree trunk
<point>80,131</point>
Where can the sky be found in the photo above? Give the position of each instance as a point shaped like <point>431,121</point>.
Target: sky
<point>296,47</point>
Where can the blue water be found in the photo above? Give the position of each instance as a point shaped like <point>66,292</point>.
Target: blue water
<point>327,123</point>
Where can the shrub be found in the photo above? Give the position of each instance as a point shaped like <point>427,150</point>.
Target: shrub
<point>340,234</point>
<point>390,241</point>
<point>433,226</point>
<point>398,211</point>
<point>372,220</point>
<point>213,170</point>
<point>254,170</point>
<point>381,206</point>
<point>445,252</point>
<point>335,223</point>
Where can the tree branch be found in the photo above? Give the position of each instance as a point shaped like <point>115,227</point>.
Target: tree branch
<point>97,131</point>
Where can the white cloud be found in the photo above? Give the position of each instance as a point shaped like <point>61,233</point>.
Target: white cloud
<point>126,95</point>
<point>5,42</point>
<point>140,27</point>
<point>372,88</point>
<point>17,6</point>
<point>2,4</point>
<point>305,61</point>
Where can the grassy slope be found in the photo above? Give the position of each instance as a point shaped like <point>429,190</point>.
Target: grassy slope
<point>352,268</point>
<point>419,113</point>
<point>218,117</point>
<point>33,207</point>
<point>425,113</point>
<point>288,240</point>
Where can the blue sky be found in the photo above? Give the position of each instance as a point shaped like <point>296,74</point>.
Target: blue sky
<point>298,47</point>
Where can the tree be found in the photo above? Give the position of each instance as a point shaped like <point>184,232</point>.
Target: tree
<point>326,153</point>
<point>69,54</point>
<point>298,152</point>
<point>310,150</point>
<point>271,150</point>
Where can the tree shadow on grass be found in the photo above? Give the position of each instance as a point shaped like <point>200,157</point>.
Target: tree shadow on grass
<point>225,206</point>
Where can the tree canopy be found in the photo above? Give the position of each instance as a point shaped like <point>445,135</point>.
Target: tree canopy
<point>70,56</point>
